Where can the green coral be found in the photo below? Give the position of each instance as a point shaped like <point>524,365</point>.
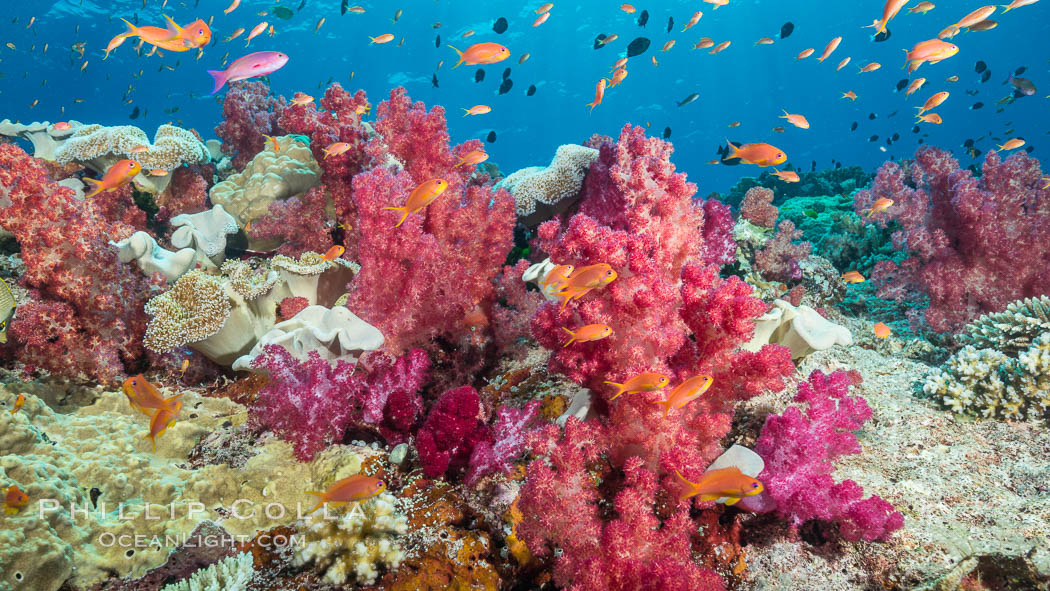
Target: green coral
<point>837,233</point>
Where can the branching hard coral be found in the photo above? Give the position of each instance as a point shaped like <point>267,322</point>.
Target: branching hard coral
<point>1011,330</point>
<point>799,450</point>
<point>248,111</point>
<point>229,574</point>
<point>989,383</point>
<point>355,546</point>
<point>85,317</point>
<point>540,192</point>
<point>975,245</point>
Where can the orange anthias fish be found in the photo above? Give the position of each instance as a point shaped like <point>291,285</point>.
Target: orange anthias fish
<point>686,392</point>
<point>764,41</point>
<point>922,7</point>
<point>349,490</point>
<point>717,3</point>
<point>14,500</point>
<point>544,8</point>
<point>804,54</point>
<point>556,277</point>
<point>830,48</point>
<point>477,110</point>
<point>115,43</point>
<point>881,204</point>
<point>300,99</point>
<point>159,424</point>
<point>609,39</point>
<point>931,50</point>
<point>474,157</point>
<point>272,140</point>
<point>889,10</point>
<point>117,176</point>
<point>335,149</point>
<point>759,154</point>
<point>796,120</point>
<point>617,77</point>
<point>583,280</point>
<point>704,43</point>
<point>930,118</point>
<point>843,63</point>
<point>194,35</point>
<point>870,67</point>
<point>627,8</point>
<point>384,38</point>
<point>62,126</point>
<point>881,330</point>
<point>147,399</point>
<point>643,382</point>
<point>976,16</point>
<point>915,85</point>
<point>933,102</point>
<point>541,19</point>
<point>1011,144</point>
<point>421,196</point>
<point>1017,4</point>
<point>482,53</point>
<point>720,47</point>
<point>724,483</point>
<point>588,333</point>
<point>333,253</point>
<point>693,20</point>
<point>19,403</point>
<point>852,277</point>
<point>850,95</point>
<point>788,176</point>
<point>599,94</point>
<point>667,46</point>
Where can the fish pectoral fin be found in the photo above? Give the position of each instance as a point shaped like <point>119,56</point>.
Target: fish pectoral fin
<point>732,500</point>
<point>710,497</point>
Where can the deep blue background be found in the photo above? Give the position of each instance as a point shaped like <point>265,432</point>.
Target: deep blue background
<point>744,83</point>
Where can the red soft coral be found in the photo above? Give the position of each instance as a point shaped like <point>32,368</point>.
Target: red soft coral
<point>799,451</point>
<point>86,314</point>
<point>507,440</point>
<point>447,437</point>
<point>779,259</point>
<point>975,245</point>
<point>757,207</point>
<point>188,190</point>
<point>299,223</point>
<point>248,111</point>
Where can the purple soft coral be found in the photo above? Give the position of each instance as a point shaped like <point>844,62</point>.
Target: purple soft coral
<point>799,450</point>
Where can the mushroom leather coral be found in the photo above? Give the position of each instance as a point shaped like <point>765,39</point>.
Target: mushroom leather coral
<point>86,315</point>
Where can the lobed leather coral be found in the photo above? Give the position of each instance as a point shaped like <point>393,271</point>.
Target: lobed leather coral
<point>974,245</point>
<point>85,315</point>
<point>799,449</point>
<point>541,192</point>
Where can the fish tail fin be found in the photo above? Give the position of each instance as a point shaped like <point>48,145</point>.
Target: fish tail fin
<point>316,507</point>
<point>1008,7</point>
<point>220,79</point>
<point>571,334</point>
<point>403,218</point>
<point>314,492</point>
<point>461,58</point>
<point>592,105</point>
<point>733,151</point>
<point>132,29</point>
<point>683,478</point>
<point>620,387</point>
<point>96,186</point>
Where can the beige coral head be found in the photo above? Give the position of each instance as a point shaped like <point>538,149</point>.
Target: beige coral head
<point>195,308</point>
<point>172,146</point>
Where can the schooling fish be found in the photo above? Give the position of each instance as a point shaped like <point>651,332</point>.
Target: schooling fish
<point>667,132</point>
<point>786,30</point>
<point>686,392</point>
<point>479,75</point>
<point>500,26</point>
<point>637,47</point>
<point>670,23</point>
<point>853,127</point>
<point>134,113</point>
<point>729,478</point>
<point>643,18</point>
<point>689,99</point>
<point>437,41</point>
<point>643,382</point>
<point>491,137</point>
<point>482,53</point>
<point>986,76</point>
<point>159,424</point>
<point>531,91</point>
<point>7,309</point>
<point>352,489</point>
<point>901,84</point>
<point>588,333</point>
<point>506,73</point>
<point>117,176</point>
<point>250,66</point>
<point>434,80</point>
<point>420,197</point>
<point>505,86</point>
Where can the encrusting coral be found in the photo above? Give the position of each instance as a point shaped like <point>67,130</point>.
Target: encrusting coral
<point>540,193</point>
<point>350,547</point>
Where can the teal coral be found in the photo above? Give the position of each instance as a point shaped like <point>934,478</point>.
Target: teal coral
<point>1013,329</point>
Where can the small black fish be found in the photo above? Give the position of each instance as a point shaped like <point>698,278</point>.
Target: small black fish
<point>437,41</point>
<point>838,165</point>
<point>1020,70</point>
<point>921,141</point>
<point>1029,149</point>
<point>491,137</point>
<point>896,136</point>
<point>501,26</point>
<point>883,36</point>
<point>813,166</point>
<point>134,113</point>
<point>892,114</point>
<point>903,82</point>
<point>301,6</point>
<point>637,47</point>
<point>889,141</point>
<point>971,92</point>
<point>980,66</point>
<point>873,138</point>
<point>598,40</point>
<point>531,91</point>
<point>968,143</point>
<point>643,18</point>
<point>434,80</point>
<point>872,116</point>
<point>689,99</point>
<point>853,127</point>
<point>479,75</point>
<point>976,106</point>
<point>670,25</point>
<point>667,132</point>
<point>343,6</point>
<point>986,76</point>
<point>506,73</point>
<point>172,110</point>
<point>977,153</point>
<point>915,129</point>
<point>785,31</point>
<point>505,86</point>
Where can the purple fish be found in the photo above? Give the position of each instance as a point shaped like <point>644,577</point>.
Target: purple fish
<point>254,64</point>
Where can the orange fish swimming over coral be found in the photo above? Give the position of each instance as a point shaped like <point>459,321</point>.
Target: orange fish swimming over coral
<point>759,154</point>
<point>159,424</point>
<point>686,392</point>
<point>853,277</point>
<point>14,500</point>
<point>147,399</point>
<point>728,483</point>
<point>117,176</point>
<point>349,490</point>
<point>799,121</point>
<point>482,53</point>
<point>421,196</point>
<point>643,382</point>
<point>881,204</point>
<point>587,333</point>
<point>19,403</point>
<point>584,279</point>
<point>472,157</point>
<point>881,330</point>
<point>788,176</point>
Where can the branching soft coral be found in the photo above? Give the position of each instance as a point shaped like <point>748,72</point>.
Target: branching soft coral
<point>298,222</point>
<point>975,244</point>
<point>799,450</point>
<point>86,315</point>
<point>312,404</point>
<point>780,258</point>
<point>248,111</point>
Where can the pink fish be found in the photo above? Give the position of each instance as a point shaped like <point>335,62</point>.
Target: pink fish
<point>254,64</point>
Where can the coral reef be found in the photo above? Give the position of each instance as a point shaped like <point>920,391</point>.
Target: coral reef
<point>541,193</point>
<point>153,258</point>
<point>229,574</point>
<point>450,432</point>
<point>1012,330</point>
<point>187,192</point>
<point>297,224</point>
<point>205,232</point>
<point>974,245</point>
<point>799,328</point>
<point>780,258</point>
<point>248,112</point>
<point>830,181</point>
<point>45,138</point>
<point>335,334</point>
<point>757,207</point>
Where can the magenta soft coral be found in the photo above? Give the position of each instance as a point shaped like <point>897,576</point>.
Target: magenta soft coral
<point>799,450</point>
<point>85,317</point>
<point>974,244</point>
<point>779,259</point>
<point>312,403</point>
<point>298,222</point>
<point>248,111</point>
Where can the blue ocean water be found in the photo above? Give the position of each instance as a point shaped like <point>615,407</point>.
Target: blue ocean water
<point>746,82</point>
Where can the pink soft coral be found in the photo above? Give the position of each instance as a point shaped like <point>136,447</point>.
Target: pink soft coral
<point>779,259</point>
<point>799,451</point>
<point>507,438</point>
<point>975,245</point>
<point>248,111</point>
<point>86,315</point>
<point>757,207</point>
<point>298,222</point>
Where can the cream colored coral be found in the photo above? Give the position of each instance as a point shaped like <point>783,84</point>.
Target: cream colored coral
<point>229,574</point>
<point>195,308</point>
<point>351,547</point>
<point>97,455</point>
<point>801,329</point>
<point>314,278</point>
<point>44,137</point>
<point>541,193</point>
<point>269,176</point>
<point>336,334</point>
<point>99,147</point>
